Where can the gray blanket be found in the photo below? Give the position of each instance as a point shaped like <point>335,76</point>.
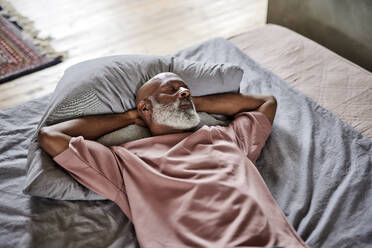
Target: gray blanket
<point>318,169</point>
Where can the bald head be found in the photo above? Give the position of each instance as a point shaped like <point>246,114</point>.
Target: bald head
<point>148,89</point>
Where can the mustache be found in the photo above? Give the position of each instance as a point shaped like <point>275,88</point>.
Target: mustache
<point>178,103</point>
<point>185,100</point>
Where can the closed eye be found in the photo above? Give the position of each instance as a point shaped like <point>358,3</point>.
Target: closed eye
<point>168,90</point>
<point>171,88</point>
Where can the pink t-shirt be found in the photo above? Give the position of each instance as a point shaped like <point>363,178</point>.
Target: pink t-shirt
<point>194,189</point>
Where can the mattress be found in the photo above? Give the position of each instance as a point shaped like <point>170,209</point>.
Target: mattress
<point>335,83</point>
<point>317,167</point>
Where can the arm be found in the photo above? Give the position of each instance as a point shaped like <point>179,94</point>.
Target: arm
<point>231,104</point>
<point>56,138</point>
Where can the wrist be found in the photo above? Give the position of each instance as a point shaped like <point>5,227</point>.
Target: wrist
<point>129,117</point>
<point>197,102</point>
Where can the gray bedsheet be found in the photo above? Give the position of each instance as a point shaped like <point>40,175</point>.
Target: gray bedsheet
<point>318,168</point>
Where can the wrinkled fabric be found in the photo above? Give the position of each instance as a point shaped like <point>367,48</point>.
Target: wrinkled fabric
<point>40,222</point>
<point>318,169</point>
<point>104,86</point>
<point>335,83</point>
<point>197,189</point>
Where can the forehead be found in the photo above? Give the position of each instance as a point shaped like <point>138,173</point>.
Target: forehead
<point>168,78</point>
<point>157,82</point>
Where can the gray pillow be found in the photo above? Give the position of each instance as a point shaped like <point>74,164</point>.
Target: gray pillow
<point>108,85</point>
<point>134,132</point>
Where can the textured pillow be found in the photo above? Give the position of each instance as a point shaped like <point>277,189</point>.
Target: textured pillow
<point>108,85</point>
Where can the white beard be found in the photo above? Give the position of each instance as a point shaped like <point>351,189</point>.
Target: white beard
<point>172,115</point>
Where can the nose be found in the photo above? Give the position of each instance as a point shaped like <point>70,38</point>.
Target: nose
<point>183,93</point>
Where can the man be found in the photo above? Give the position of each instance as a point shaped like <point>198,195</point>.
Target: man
<point>180,188</point>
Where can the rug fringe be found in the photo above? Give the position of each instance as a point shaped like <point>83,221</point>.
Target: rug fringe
<point>29,32</point>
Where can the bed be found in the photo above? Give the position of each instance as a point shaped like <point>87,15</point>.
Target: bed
<point>317,162</point>
<point>335,83</point>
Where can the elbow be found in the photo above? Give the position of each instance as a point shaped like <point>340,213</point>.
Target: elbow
<point>53,142</point>
<point>42,132</point>
<point>43,136</point>
<point>269,108</point>
<point>272,105</point>
<point>273,101</point>
<point>46,138</point>
<point>269,101</point>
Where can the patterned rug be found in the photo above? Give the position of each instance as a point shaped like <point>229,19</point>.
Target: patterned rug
<point>21,51</point>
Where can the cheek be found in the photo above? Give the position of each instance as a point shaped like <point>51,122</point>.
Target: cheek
<point>148,117</point>
<point>149,113</point>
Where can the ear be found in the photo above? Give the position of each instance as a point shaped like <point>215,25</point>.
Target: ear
<point>144,108</point>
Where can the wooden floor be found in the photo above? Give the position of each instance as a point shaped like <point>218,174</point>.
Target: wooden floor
<point>89,29</point>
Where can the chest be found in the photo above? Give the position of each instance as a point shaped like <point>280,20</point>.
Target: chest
<point>204,155</point>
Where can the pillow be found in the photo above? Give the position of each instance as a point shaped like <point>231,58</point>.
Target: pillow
<point>134,132</point>
<point>108,85</point>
